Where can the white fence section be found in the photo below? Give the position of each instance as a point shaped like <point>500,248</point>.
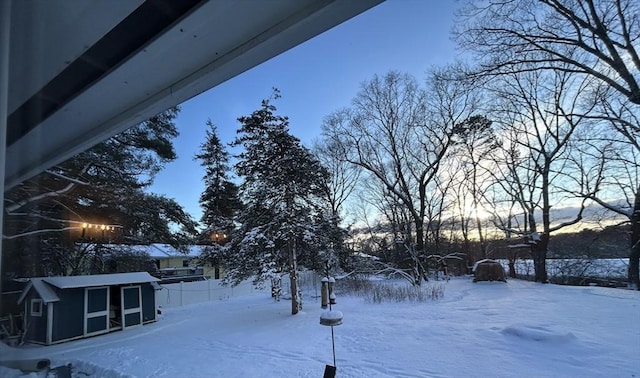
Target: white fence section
<point>187,293</point>
<point>308,282</point>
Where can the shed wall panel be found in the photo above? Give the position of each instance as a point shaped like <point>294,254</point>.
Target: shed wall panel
<point>97,300</point>
<point>131,298</point>
<point>148,303</point>
<point>97,324</point>
<point>132,319</point>
<point>68,314</point>
<point>37,325</point>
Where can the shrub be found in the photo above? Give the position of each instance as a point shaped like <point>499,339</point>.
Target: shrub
<point>386,291</point>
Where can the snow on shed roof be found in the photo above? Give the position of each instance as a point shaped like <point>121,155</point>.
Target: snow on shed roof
<point>99,280</point>
<point>45,291</point>
<point>483,261</point>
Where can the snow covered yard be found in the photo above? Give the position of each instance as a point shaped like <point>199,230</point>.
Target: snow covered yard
<point>518,329</point>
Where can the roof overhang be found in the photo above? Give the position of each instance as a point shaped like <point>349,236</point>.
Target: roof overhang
<point>82,71</point>
<point>72,282</point>
<point>43,285</point>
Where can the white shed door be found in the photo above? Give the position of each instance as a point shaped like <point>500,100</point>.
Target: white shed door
<point>131,297</point>
<point>96,306</point>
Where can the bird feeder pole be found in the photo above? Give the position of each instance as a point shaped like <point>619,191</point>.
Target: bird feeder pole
<point>330,318</point>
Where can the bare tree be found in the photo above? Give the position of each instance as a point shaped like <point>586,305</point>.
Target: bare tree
<point>624,119</point>
<point>343,176</point>
<point>476,140</point>
<point>438,209</point>
<point>598,38</point>
<point>399,134</point>
<point>366,237</point>
<point>338,186</point>
<point>536,111</point>
<point>461,214</point>
<point>609,175</point>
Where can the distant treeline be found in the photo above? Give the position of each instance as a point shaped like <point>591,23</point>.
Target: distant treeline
<point>610,242</point>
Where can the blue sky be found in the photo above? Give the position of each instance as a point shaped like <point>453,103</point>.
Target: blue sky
<point>315,79</point>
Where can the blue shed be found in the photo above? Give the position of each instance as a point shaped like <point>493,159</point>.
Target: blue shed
<point>58,309</point>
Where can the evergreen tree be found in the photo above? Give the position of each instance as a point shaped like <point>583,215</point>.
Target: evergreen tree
<point>219,200</point>
<point>282,218</point>
<point>46,217</point>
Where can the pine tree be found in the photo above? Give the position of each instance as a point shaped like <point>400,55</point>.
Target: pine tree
<point>283,215</point>
<point>107,184</point>
<point>219,200</point>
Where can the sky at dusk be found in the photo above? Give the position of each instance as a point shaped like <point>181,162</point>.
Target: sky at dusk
<point>315,79</point>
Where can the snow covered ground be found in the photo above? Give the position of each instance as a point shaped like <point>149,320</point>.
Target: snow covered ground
<point>518,329</point>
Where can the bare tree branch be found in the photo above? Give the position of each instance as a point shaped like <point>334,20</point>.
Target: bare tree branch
<point>70,186</point>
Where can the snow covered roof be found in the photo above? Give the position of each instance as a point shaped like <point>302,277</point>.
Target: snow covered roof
<point>165,250</point>
<point>98,280</point>
<point>45,291</point>
<point>483,261</point>
<point>156,250</point>
<point>48,294</point>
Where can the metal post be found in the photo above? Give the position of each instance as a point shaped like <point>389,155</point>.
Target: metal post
<point>181,287</point>
<point>5,28</point>
<point>333,340</point>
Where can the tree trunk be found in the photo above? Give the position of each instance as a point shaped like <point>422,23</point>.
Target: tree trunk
<point>293,278</point>
<point>539,252</point>
<point>483,247</point>
<point>634,255</point>
<point>634,266</point>
<point>416,251</point>
<point>419,253</point>
<point>512,266</point>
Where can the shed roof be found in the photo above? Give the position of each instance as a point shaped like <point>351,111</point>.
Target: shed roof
<point>483,261</point>
<point>99,280</point>
<point>45,291</point>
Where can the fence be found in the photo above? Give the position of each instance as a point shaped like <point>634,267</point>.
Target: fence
<point>187,293</point>
<point>308,282</point>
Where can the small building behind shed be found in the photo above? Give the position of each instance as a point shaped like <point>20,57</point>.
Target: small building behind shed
<point>175,265</point>
<point>488,270</point>
<point>58,309</point>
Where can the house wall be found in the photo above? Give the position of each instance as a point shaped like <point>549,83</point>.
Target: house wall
<point>209,269</point>
<point>172,262</point>
<point>68,315</point>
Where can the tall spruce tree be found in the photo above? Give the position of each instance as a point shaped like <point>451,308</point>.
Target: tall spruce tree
<point>219,201</point>
<point>283,218</point>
